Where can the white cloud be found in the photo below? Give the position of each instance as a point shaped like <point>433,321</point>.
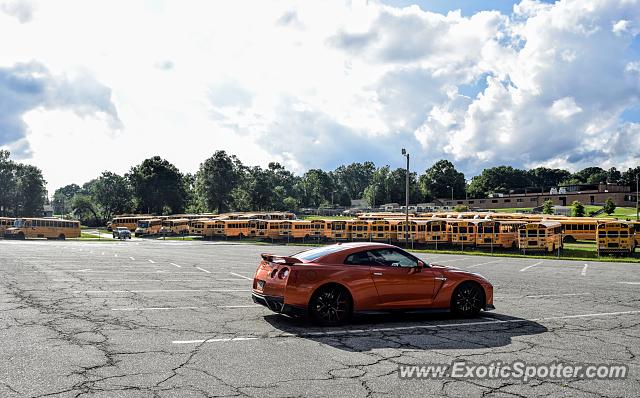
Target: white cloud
<point>323,83</point>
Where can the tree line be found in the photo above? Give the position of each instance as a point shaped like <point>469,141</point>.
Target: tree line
<point>223,183</point>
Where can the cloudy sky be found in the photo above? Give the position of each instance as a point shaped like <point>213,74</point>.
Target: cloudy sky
<point>87,86</point>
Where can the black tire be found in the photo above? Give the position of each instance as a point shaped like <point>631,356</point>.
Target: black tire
<point>467,300</point>
<point>61,237</point>
<point>21,236</point>
<point>330,305</point>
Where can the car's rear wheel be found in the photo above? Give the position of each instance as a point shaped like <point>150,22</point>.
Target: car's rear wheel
<point>467,299</point>
<point>330,305</point>
<point>61,237</point>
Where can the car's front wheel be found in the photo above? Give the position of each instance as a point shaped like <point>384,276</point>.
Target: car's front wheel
<point>330,305</point>
<point>467,299</point>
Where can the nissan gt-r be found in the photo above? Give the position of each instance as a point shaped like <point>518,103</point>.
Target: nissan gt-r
<point>330,283</point>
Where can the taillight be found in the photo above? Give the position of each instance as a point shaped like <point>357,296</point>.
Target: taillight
<point>284,272</point>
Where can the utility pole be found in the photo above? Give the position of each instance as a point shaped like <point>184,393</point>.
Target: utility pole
<point>637,183</point>
<point>406,209</point>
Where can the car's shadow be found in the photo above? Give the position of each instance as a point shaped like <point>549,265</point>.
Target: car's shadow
<point>412,331</point>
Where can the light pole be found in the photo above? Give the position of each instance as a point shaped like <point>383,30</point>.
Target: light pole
<point>406,208</point>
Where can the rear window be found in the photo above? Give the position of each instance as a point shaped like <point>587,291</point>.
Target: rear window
<point>313,254</point>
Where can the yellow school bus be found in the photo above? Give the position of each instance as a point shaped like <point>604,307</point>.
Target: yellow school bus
<point>415,230</point>
<point>236,228</point>
<point>383,230</point>
<point>49,228</point>
<point>360,230</point>
<point>130,222</point>
<point>273,229</point>
<point>319,229</point>
<point>339,229</point>
<point>258,228</point>
<point>462,231</point>
<point>616,237</point>
<point>578,229</point>
<point>148,227</point>
<point>636,229</point>
<point>177,226</point>
<point>295,229</point>
<point>5,222</point>
<point>540,236</point>
<point>436,231</point>
<point>502,234</point>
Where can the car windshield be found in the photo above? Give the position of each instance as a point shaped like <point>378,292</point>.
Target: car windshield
<point>143,224</point>
<point>313,254</point>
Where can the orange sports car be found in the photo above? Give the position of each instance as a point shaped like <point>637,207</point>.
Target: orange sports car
<point>330,283</point>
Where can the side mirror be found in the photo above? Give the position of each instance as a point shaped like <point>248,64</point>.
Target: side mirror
<point>421,264</point>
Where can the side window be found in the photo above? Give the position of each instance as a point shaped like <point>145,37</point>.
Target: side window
<point>361,258</point>
<point>393,258</point>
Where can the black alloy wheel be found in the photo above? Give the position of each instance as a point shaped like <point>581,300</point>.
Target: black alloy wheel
<point>468,300</point>
<point>331,305</point>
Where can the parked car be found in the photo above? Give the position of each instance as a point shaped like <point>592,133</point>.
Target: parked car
<point>330,283</point>
<point>121,233</point>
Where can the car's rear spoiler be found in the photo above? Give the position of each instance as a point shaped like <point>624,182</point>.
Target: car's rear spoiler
<point>272,258</point>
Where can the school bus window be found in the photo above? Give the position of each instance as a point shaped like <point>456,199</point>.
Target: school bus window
<point>624,234</point>
<point>612,234</point>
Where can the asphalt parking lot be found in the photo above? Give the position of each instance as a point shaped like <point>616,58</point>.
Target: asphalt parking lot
<point>175,319</point>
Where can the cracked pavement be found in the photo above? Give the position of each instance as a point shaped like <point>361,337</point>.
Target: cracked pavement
<point>167,319</point>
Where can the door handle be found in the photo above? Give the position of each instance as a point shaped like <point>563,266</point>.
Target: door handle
<point>377,273</point>
<point>440,278</point>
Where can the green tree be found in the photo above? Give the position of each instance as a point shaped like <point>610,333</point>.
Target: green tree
<point>354,178</point>
<point>7,183</point>
<point>437,181</point>
<point>577,209</point>
<point>291,204</point>
<point>112,194</point>
<point>547,207</point>
<point>461,208</point>
<point>317,188</point>
<point>609,206</point>
<point>62,198</point>
<point>545,177</point>
<point>84,210</point>
<point>158,186</point>
<point>497,179</point>
<point>216,179</point>
<point>30,191</point>
<point>378,191</point>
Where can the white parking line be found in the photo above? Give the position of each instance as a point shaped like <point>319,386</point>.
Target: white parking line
<point>531,266</point>
<point>203,270</point>
<point>215,340</point>
<point>121,272</point>
<point>584,270</point>
<point>184,308</point>
<point>488,262</point>
<point>132,258</point>
<point>543,295</point>
<point>115,255</point>
<point>179,266</point>
<point>446,261</point>
<point>241,276</point>
<point>400,328</point>
<point>630,283</point>
<point>162,291</point>
<point>151,261</point>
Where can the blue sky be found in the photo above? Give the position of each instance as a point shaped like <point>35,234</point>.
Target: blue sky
<point>319,84</point>
<point>467,7</point>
